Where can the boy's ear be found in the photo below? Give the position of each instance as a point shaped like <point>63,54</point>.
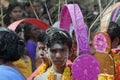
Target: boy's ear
<point>115,42</point>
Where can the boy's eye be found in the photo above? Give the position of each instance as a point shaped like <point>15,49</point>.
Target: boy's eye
<point>63,50</point>
<point>57,50</point>
<point>43,48</point>
<point>53,50</point>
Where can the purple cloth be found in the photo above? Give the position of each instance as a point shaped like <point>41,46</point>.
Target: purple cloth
<point>115,14</point>
<point>31,49</point>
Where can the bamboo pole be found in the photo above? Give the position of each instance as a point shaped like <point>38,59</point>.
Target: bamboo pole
<point>1,15</point>
<point>73,1</point>
<point>59,10</point>
<point>114,1</point>
<point>48,13</point>
<point>99,17</point>
<point>33,9</point>
<point>65,1</point>
<point>100,7</point>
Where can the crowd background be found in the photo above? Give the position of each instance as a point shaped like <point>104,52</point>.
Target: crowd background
<point>90,9</point>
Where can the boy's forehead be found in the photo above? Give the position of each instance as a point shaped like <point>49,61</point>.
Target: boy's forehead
<point>58,46</point>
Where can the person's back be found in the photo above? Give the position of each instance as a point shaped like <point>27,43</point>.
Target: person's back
<point>9,73</point>
<point>11,46</point>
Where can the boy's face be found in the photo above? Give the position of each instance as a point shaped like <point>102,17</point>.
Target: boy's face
<point>58,54</point>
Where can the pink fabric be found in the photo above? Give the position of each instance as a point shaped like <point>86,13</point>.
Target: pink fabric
<point>100,43</point>
<point>115,13</point>
<point>69,63</point>
<point>42,25</point>
<point>72,12</point>
<point>85,67</point>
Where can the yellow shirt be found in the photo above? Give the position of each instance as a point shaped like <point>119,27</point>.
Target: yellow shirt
<point>24,66</point>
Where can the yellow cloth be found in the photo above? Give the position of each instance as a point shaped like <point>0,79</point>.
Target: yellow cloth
<point>24,66</point>
<point>105,77</point>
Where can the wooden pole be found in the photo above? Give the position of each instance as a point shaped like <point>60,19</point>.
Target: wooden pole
<point>114,1</point>
<point>33,9</point>
<point>100,7</point>
<point>1,15</point>
<point>65,1</point>
<point>59,10</point>
<point>48,13</point>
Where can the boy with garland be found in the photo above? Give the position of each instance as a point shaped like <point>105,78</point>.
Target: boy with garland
<point>58,43</point>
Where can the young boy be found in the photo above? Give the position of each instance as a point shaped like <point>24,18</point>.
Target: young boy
<point>59,45</point>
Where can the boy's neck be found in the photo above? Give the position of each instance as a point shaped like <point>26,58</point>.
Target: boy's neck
<point>58,69</point>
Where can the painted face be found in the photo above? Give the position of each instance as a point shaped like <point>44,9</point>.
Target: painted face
<point>16,14</point>
<point>58,54</point>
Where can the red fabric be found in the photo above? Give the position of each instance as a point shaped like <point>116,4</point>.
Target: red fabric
<point>118,72</point>
<point>42,25</point>
<point>69,63</point>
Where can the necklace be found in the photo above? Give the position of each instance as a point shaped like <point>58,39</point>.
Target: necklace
<point>65,76</point>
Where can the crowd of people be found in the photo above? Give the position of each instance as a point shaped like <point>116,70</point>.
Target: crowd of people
<point>29,53</point>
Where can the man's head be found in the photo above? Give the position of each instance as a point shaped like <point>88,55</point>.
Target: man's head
<point>114,33</point>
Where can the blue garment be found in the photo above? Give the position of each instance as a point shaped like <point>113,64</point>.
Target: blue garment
<point>8,73</point>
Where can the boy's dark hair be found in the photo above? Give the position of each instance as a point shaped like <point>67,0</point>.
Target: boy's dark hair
<point>11,45</point>
<point>41,37</point>
<point>113,30</point>
<point>55,35</point>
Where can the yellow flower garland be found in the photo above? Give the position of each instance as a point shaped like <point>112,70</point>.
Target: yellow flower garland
<point>66,74</point>
<point>41,69</point>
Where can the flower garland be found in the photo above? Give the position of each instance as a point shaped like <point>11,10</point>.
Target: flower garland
<point>51,75</point>
<point>66,74</point>
<point>41,69</point>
